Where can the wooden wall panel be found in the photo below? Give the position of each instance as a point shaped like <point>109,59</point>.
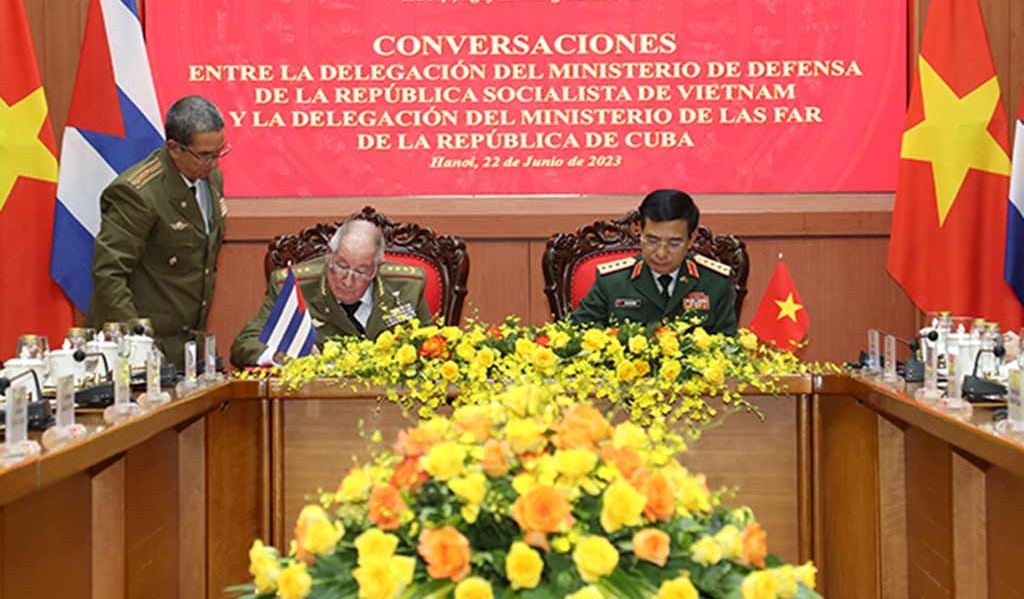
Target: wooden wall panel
<point>892,504</point>
<point>499,279</point>
<point>51,555</point>
<point>929,516</point>
<point>108,542</point>
<point>151,517</point>
<point>970,548</point>
<point>241,288</point>
<point>848,499</point>
<point>1005,527</point>
<point>236,465</point>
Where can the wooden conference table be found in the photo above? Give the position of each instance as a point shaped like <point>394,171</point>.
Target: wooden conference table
<point>889,497</point>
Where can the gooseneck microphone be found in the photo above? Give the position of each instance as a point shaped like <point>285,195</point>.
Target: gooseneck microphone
<point>976,388</point>
<point>80,355</point>
<point>5,382</point>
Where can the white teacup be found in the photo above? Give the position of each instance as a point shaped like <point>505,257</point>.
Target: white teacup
<point>141,346</point>
<point>62,363</point>
<point>109,351</point>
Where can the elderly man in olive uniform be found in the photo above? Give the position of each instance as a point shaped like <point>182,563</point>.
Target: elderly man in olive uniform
<point>666,280</point>
<point>161,230</point>
<point>350,291</point>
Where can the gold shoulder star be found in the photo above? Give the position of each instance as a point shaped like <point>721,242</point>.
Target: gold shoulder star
<point>954,135</point>
<point>22,154</point>
<point>788,308</point>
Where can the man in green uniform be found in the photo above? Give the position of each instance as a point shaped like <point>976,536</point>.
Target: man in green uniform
<point>161,230</point>
<point>350,291</point>
<point>666,280</point>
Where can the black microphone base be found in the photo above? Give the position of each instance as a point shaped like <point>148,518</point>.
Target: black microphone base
<point>913,370</point>
<point>977,389</point>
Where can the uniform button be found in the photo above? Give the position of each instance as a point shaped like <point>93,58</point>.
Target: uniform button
<point>207,271</point>
<point>172,260</point>
<point>204,303</point>
<point>184,205</point>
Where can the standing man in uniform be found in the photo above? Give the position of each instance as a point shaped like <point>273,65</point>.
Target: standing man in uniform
<point>666,280</point>
<point>161,230</point>
<point>350,291</point>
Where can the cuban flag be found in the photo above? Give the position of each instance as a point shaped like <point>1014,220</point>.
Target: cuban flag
<point>1014,271</point>
<point>114,122</point>
<point>289,328</point>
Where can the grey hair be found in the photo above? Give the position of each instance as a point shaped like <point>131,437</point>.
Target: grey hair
<point>191,115</point>
<point>359,227</point>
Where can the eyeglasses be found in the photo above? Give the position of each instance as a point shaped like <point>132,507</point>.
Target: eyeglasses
<point>208,157</point>
<point>343,271</point>
<point>672,243</point>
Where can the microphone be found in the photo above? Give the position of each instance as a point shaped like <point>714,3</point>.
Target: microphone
<point>913,366</point>
<point>40,413</point>
<point>976,388</point>
<point>5,382</point>
<point>80,355</point>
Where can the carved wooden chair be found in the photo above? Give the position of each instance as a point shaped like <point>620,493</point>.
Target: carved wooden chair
<point>443,257</point>
<point>570,259</point>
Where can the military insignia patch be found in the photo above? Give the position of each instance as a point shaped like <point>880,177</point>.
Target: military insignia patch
<point>722,269</point>
<point>628,302</point>
<point>401,312</point>
<point>615,265</point>
<point>223,208</point>
<point>696,300</point>
<point>317,323</point>
<point>178,225</point>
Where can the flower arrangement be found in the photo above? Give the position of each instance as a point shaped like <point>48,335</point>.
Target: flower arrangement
<point>668,372</point>
<point>534,494</point>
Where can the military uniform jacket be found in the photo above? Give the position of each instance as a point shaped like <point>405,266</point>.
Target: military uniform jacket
<point>397,286</point>
<point>625,290</point>
<point>153,256</point>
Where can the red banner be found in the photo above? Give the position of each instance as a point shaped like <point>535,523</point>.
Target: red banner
<point>464,97</point>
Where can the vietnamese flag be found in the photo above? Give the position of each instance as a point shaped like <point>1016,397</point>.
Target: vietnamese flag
<point>32,302</point>
<point>781,319</point>
<point>949,223</point>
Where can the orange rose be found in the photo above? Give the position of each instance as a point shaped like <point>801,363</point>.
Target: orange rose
<point>495,459</point>
<point>626,459</point>
<point>473,420</point>
<point>542,340</point>
<point>652,545</point>
<point>435,347</point>
<point>582,427</point>
<point>408,476</point>
<point>661,496</point>
<point>386,507</point>
<point>755,545</point>
<point>493,332</point>
<point>543,509</point>
<point>446,552</point>
<point>414,442</point>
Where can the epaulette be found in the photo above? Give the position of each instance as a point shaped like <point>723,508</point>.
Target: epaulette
<point>722,269</point>
<point>305,272</point>
<point>615,265</point>
<point>394,270</point>
<point>146,172</point>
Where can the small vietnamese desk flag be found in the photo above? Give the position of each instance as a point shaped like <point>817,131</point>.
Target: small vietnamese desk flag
<point>949,221</point>
<point>289,327</point>
<point>32,302</point>
<point>781,318</point>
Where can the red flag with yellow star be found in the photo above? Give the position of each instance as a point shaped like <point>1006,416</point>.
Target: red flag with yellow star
<point>780,318</point>
<point>949,221</point>
<point>32,302</point>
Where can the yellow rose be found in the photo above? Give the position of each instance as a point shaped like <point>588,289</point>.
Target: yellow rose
<point>670,370</point>
<point>693,493</point>
<point>622,505</point>
<point>637,343</point>
<point>806,574</point>
<point>451,334</point>
<point>263,566</point>
<point>354,487</point>
<point>444,460</point>
<point>701,339</point>
<point>484,357</point>
<point>626,371</point>
<point>406,354</point>
<point>677,588</point>
<point>524,435</point>
<point>449,371</point>
<point>523,566</point>
<point>294,582</point>
<point>631,435</point>
<point>524,347</point>
<point>642,367</point>
<point>706,551</point>
<point>575,463</point>
<point>465,351</point>
<point>332,349</point>
<point>314,531</point>
<point>375,544</point>
<point>471,490</point>
<point>714,373</point>
<point>785,581</point>
<point>587,592</point>
<point>385,341</point>
<point>730,541</point>
<point>351,360</point>
<point>758,585</point>
<point>748,340</point>
<point>543,359</point>
<point>384,577</point>
<point>595,557</point>
<point>474,588</point>
<point>559,339</point>
<point>669,344</point>
<point>594,340</point>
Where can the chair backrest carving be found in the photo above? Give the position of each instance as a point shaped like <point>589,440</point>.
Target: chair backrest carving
<point>570,258</point>
<point>444,257</point>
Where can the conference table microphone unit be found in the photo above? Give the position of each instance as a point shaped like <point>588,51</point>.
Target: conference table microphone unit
<point>979,389</point>
<point>39,412</point>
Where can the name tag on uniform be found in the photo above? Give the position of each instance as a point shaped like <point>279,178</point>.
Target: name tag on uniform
<point>697,300</point>
<point>627,302</point>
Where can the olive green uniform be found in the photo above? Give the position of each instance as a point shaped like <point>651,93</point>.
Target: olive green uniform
<point>398,296</point>
<point>154,257</point>
<point>625,290</point>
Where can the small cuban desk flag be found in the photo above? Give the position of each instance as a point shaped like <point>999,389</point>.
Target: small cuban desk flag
<point>289,328</point>
<point>781,319</point>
